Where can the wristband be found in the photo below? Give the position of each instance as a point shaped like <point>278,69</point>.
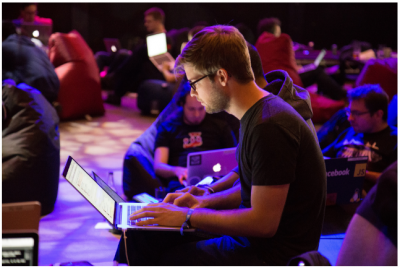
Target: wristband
<point>186,224</point>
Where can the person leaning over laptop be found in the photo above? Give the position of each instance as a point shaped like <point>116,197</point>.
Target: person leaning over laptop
<point>280,84</point>
<point>190,130</point>
<point>276,215</point>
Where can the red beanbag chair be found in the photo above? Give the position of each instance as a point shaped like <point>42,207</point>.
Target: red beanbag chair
<point>382,72</point>
<point>324,108</point>
<point>76,68</point>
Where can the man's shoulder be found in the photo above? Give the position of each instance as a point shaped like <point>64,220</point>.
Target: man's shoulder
<point>176,120</point>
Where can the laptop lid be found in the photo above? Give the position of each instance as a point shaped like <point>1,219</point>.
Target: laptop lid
<point>345,177</point>
<point>107,188</point>
<point>210,163</point>
<point>112,44</point>
<point>319,58</point>
<point>90,190</point>
<point>20,248</point>
<point>156,44</point>
<point>38,31</point>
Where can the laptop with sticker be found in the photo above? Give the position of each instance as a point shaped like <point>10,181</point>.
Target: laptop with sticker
<point>112,44</point>
<point>345,178</point>
<point>210,163</point>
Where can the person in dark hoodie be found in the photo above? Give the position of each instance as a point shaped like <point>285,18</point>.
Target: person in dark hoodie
<point>263,223</point>
<point>24,62</point>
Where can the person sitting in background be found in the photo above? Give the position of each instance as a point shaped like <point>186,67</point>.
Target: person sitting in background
<point>276,52</point>
<point>371,237</point>
<point>24,62</point>
<point>191,130</point>
<point>369,134</point>
<point>28,14</point>
<point>137,67</point>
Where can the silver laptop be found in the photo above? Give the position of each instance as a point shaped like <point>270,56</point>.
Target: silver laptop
<point>210,163</point>
<point>37,31</point>
<point>115,212</point>
<point>157,50</point>
<point>345,178</point>
<point>315,64</point>
<point>112,44</point>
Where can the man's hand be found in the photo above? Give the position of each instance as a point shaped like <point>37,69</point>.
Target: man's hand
<point>162,213</point>
<point>184,200</point>
<point>181,173</point>
<point>194,190</point>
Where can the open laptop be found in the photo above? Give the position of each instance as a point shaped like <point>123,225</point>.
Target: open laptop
<point>112,44</point>
<point>20,248</point>
<point>157,50</point>
<point>115,212</point>
<point>210,163</point>
<point>41,32</point>
<point>345,177</point>
<point>315,64</point>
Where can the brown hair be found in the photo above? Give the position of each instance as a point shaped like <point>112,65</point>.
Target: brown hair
<point>218,47</point>
<point>268,25</point>
<point>157,13</point>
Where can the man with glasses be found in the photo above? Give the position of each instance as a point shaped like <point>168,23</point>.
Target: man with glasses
<point>369,134</point>
<point>278,211</point>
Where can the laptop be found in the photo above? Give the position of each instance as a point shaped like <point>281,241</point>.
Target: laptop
<point>41,32</point>
<point>345,177</point>
<point>115,212</point>
<point>20,248</point>
<point>313,66</point>
<point>112,44</point>
<point>157,50</point>
<point>210,163</point>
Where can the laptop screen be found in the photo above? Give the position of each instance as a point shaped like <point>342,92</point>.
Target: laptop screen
<point>156,44</point>
<point>85,185</point>
<point>20,249</point>
<point>319,58</point>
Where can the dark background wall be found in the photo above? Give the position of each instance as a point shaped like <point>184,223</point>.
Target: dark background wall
<point>324,24</point>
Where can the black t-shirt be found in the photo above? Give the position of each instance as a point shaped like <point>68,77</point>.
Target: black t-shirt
<point>380,205</point>
<point>277,147</point>
<point>380,147</point>
<point>182,139</point>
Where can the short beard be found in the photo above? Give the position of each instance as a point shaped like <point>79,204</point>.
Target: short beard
<point>219,102</point>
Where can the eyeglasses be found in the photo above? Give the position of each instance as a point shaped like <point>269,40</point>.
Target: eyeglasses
<point>354,113</point>
<point>193,84</point>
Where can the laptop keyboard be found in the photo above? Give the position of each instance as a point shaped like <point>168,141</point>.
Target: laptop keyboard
<point>161,59</point>
<point>132,208</point>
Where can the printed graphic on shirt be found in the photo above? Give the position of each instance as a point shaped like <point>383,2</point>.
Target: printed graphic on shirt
<point>355,148</point>
<point>194,140</point>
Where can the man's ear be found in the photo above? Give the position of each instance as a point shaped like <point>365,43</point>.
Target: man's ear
<point>223,76</point>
